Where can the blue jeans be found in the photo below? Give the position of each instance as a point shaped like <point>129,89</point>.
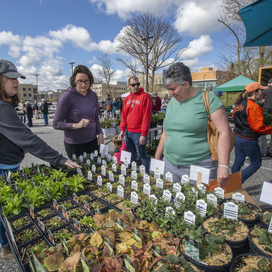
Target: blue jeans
<point>3,238</point>
<point>163,110</point>
<point>246,147</point>
<point>29,120</point>
<point>45,118</point>
<point>133,146</point>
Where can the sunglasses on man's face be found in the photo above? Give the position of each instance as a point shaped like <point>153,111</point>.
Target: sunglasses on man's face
<point>136,84</point>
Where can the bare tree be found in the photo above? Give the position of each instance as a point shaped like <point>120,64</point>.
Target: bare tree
<point>163,44</point>
<point>106,72</point>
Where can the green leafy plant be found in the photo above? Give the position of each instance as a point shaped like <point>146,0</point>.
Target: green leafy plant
<point>14,205</point>
<point>75,183</point>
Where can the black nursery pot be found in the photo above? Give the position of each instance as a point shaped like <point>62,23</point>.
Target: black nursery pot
<point>205,267</point>
<point>249,223</point>
<point>237,260</point>
<point>238,247</point>
<point>261,222</point>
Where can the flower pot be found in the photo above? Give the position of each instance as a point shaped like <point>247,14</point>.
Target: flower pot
<point>106,132</point>
<point>112,131</point>
<point>262,222</point>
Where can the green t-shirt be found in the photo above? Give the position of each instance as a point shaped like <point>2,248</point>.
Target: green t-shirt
<point>185,125</point>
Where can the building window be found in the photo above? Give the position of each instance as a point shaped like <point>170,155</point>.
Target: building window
<point>24,89</point>
<point>29,89</point>
<point>29,94</point>
<point>24,94</point>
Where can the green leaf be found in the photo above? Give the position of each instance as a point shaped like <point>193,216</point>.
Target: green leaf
<point>171,258</point>
<point>263,240</point>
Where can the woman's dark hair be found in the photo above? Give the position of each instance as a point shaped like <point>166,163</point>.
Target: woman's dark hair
<point>81,69</point>
<point>240,97</point>
<point>14,100</point>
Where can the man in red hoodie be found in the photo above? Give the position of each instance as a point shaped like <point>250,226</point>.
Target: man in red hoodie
<point>136,118</point>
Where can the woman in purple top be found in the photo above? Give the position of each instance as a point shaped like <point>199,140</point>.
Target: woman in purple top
<point>77,114</point>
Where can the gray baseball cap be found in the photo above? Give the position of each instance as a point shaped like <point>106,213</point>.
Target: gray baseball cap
<point>8,69</point>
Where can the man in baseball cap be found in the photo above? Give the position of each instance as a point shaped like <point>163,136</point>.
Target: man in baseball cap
<point>218,93</point>
<point>8,69</point>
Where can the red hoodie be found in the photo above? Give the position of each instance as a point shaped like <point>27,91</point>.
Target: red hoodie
<point>136,113</point>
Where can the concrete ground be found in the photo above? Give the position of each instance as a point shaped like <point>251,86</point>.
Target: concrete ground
<point>54,138</point>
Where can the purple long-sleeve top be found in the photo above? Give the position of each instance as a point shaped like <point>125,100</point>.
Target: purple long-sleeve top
<point>71,108</point>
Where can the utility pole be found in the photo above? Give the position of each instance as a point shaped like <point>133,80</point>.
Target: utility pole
<point>72,63</point>
<point>37,84</point>
<point>146,53</point>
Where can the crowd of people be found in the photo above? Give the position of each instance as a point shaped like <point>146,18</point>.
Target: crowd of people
<point>183,142</point>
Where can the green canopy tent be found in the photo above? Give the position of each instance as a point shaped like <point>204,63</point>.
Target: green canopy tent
<point>235,85</point>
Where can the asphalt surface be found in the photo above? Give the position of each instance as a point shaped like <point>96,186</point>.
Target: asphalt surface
<point>54,138</point>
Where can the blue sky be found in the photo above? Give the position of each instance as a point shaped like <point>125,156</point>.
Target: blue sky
<point>44,36</point>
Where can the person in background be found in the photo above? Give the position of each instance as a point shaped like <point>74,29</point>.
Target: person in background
<point>248,120</point>
<point>119,146</point>
<point>44,111</point>
<point>135,121</point>
<point>116,107</point>
<point>218,93</point>
<point>184,138</point>
<point>29,114</point>
<point>77,114</point>
<point>164,104</point>
<point>156,103</point>
<point>267,109</point>
<point>108,103</point>
<point>16,138</point>
<point>22,112</point>
<point>36,110</point>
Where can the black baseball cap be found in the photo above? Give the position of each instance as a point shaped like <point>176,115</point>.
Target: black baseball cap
<point>8,69</point>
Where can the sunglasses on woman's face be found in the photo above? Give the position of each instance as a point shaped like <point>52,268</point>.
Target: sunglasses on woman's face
<point>136,84</point>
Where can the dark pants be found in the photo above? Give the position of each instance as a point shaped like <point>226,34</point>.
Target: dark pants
<point>246,147</point>
<point>79,149</point>
<point>29,120</point>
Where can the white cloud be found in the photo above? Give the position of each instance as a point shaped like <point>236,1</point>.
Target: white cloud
<point>192,63</point>
<point>198,48</point>
<point>13,41</point>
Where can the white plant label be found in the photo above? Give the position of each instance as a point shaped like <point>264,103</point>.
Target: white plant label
<point>74,156</point>
<point>84,155</point>
<point>95,153</point>
<point>114,159</point>
<point>167,195</point>
<point>99,160</point>
<point>123,170</point>
<point>147,189</point>
<point>134,185</point>
<point>103,170</point>
<point>111,176</point>
<point>201,205</point>
<point>270,226</point>
<point>185,179</point>
<point>90,175</point>
<point>99,181</point>
<point>189,218</point>
<point>238,197</point>
<point>180,196</point>
<point>88,162</point>
<point>202,188</point>
<point>159,183</point>
<point>122,180</point>
<point>169,176</point>
<point>120,191</point>
<point>104,163</point>
<point>126,163</point>
<point>114,168</point>
<point>219,192</point>
<point>155,198</point>
<point>157,174</point>
<point>92,156</point>
<point>134,198</point>
<point>211,198</point>
<point>146,179</point>
<point>194,191</point>
<point>79,172</point>
<point>133,175</point>
<point>231,210</point>
<point>81,158</point>
<point>134,166</point>
<point>109,186</point>
<point>142,169</point>
<point>109,157</point>
<point>176,188</point>
<point>169,211</point>
<point>93,168</point>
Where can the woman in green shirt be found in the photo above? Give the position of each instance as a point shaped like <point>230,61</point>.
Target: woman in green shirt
<point>184,138</point>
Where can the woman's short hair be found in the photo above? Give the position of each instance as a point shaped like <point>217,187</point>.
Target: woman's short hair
<point>14,100</point>
<point>81,69</point>
<point>177,73</point>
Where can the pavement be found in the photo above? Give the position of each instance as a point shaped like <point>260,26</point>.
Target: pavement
<point>54,138</point>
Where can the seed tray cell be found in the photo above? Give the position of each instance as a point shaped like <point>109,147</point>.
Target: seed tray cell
<point>44,211</point>
<point>53,222</point>
<point>66,231</point>
<point>20,221</point>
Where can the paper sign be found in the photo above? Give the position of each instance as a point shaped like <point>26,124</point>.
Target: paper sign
<point>104,149</point>
<point>159,183</point>
<point>142,169</point>
<point>134,166</point>
<point>231,210</point>
<point>134,198</point>
<point>90,175</point>
<point>134,185</point>
<point>157,165</point>
<point>238,197</point>
<point>125,156</point>
<point>266,193</point>
<point>204,171</point>
<point>189,218</point>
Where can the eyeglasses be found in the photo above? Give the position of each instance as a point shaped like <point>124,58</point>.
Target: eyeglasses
<point>168,73</point>
<point>80,82</point>
<point>136,84</point>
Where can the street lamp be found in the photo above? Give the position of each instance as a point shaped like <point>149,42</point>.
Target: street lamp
<point>146,53</point>
<point>204,83</point>
<point>72,63</point>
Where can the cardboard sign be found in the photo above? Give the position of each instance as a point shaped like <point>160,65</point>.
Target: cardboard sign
<point>266,193</point>
<point>125,156</point>
<point>194,170</point>
<point>157,165</point>
<point>104,149</point>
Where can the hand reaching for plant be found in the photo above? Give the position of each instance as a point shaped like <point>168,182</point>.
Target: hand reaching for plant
<point>71,164</point>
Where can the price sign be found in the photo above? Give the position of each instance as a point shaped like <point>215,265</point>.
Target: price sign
<point>99,181</point>
<point>93,168</point>
<point>133,175</point>
<point>92,156</point>
<point>238,197</point>
<point>231,210</point>
<point>109,186</point>
<point>176,188</point>
<point>146,179</point>
<point>134,166</point>
<point>88,162</point>
<point>134,198</point>
<point>211,198</point>
<point>98,160</point>
<point>167,195</point>
<point>122,180</point>
<point>84,155</point>
<point>169,176</point>
<point>81,158</point>
<point>134,185</point>
<point>114,159</point>
<point>189,218</point>
<point>157,174</point>
<point>123,170</point>
<point>147,189</point>
<point>142,169</point>
<point>185,179</point>
<point>111,176</point>
<point>201,205</point>
<point>90,175</point>
<point>103,170</point>
<point>79,172</point>
<point>159,183</point>
<point>114,168</point>
<point>120,191</point>
<point>219,192</point>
